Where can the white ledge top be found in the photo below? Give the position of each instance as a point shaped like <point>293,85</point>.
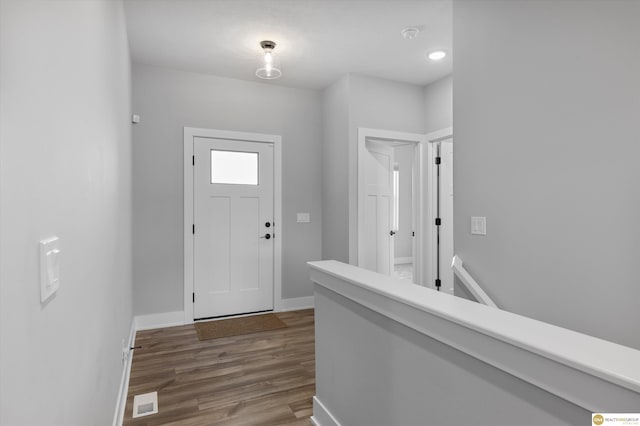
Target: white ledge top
<point>607,360</point>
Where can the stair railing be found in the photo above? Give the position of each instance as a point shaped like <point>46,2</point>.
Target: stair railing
<point>470,284</point>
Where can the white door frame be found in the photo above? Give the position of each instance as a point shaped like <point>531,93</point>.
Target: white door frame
<point>432,138</point>
<point>189,134</point>
<point>390,135</point>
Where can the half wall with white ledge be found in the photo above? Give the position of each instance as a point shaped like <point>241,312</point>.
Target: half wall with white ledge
<point>394,353</point>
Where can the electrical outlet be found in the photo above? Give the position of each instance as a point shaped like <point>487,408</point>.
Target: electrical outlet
<point>125,351</point>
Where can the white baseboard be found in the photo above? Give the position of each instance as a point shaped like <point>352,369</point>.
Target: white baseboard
<point>165,319</point>
<point>321,415</point>
<point>402,260</point>
<point>171,319</point>
<point>121,403</point>
<point>296,303</point>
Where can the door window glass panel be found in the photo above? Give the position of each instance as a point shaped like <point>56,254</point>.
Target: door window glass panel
<point>235,168</point>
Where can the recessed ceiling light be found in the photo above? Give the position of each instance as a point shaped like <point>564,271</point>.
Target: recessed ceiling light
<point>436,55</point>
<point>409,33</point>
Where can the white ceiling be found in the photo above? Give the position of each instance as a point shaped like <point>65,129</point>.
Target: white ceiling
<point>318,41</point>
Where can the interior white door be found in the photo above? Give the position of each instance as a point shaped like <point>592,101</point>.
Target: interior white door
<point>446,215</point>
<point>233,227</point>
<point>378,235</point>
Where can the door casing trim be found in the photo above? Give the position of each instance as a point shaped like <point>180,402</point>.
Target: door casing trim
<point>424,248</point>
<point>193,132</point>
<point>356,248</point>
<point>433,139</point>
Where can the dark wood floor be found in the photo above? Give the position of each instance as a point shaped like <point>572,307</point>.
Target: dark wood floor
<point>265,378</point>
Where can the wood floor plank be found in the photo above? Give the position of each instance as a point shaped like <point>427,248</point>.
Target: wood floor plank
<point>265,378</point>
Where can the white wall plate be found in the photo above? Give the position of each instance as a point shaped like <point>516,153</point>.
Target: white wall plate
<point>478,225</point>
<point>49,267</point>
<point>303,217</point>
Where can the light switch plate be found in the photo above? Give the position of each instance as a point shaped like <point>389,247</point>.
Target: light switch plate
<point>49,267</point>
<point>478,225</point>
<point>304,217</point>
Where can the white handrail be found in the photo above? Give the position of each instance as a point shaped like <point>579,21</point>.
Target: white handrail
<point>591,373</point>
<point>471,285</point>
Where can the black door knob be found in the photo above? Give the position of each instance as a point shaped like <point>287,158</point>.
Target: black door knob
<point>267,224</point>
<point>392,233</point>
<point>268,236</point>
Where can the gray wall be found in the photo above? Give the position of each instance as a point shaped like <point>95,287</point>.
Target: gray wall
<point>418,380</point>
<point>439,104</point>
<point>379,104</point>
<point>335,165</point>
<point>351,102</point>
<point>170,100</point>
<point>403,240</point>
<point>546,103</point>
<point>65,170</point>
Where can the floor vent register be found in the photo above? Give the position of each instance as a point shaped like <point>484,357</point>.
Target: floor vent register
<point>145,404</point>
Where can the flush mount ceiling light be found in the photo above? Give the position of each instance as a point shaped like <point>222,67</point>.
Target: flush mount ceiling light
<point>437,55</point>
<point>409,33</point>
<point>269,67</point>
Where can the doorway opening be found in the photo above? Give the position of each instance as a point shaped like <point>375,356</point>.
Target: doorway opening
<point>405,205</point>
<point>390,203</point>
<point>404,214</point>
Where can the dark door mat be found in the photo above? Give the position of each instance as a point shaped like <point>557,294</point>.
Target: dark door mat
<point>236,326</point>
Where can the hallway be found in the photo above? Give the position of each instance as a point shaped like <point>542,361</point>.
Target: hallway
<point>263,378</point>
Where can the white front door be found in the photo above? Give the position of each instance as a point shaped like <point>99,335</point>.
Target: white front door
<point>378,234</point>
<point>233,227</point>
